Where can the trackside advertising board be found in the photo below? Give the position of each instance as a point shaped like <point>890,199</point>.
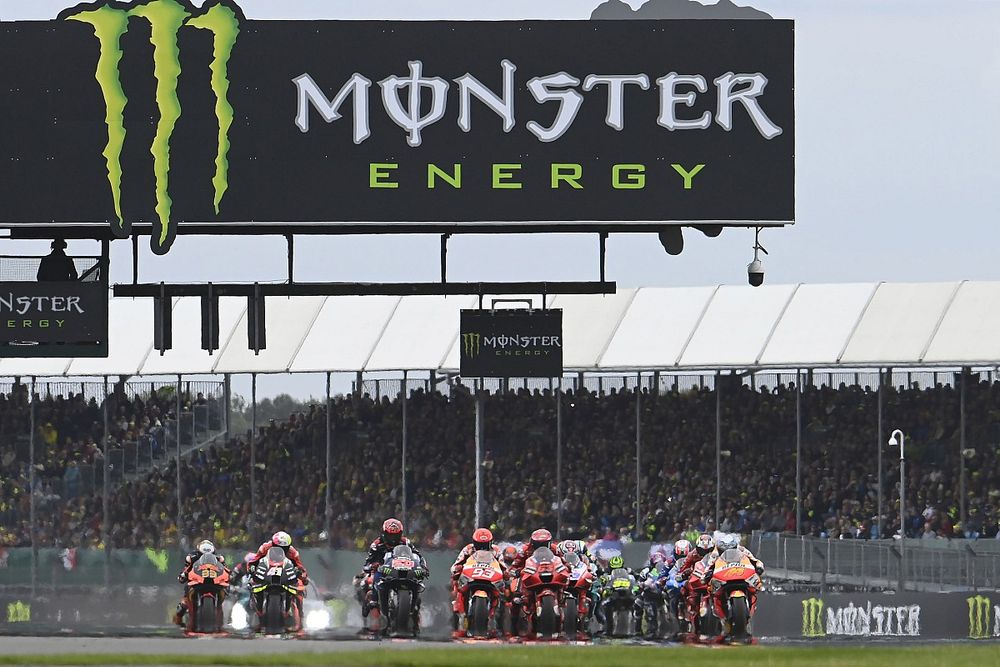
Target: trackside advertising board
<point>163,113</point>
<point>511,343</point>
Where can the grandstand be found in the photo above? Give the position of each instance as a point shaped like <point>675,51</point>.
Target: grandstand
<point>708,441</point>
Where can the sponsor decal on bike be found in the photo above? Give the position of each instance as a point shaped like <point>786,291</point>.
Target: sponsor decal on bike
<point>980,627</point>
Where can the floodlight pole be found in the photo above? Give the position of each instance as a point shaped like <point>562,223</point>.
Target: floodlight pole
<point>881,428</point>
<point>105,533</point>
<point>718,448</point>
<point>479,455</point>
<point>559,459</point>
<point>961,450</point>
<point>253,455</point>
<point>31,488</point>
<point>403,453</point>
<point>638,450</point>
<point>177,465</point>
<point>897,438</point>
<point>328,512</point>
<point>798,452</point>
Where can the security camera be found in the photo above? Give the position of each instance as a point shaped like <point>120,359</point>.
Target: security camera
<point>755,273</point>
<point>755,269</point>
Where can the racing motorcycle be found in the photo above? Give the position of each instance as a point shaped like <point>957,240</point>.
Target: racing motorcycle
<point>701,617</point>
<point>543,581</point>
<point>277,593</point>
<point>401,584</point>
<point>481,585</point>
<point>577,609</point>
<point>619,604</point>
<point>734,584</point>
<point>653,601</point>
<point>206,586</point>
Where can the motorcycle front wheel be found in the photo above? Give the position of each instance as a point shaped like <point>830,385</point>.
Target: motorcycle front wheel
<point>205,620</point>
<point>739,617</point>
<point>547,618</point>
<point>571,618</point>
<point>404,602</point>
<point>479,617</point>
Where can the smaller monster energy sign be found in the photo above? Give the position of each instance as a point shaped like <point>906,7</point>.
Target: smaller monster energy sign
<point>65,313</point>
<point>511,343</point>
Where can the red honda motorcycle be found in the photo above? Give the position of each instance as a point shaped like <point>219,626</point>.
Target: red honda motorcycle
<point>543,582</point>
<point>734,585</point>
<point>480,587</point>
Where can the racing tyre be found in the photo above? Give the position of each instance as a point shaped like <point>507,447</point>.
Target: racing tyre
<point>479,617</point>
<point>403,610</point>
<point>274,621</point>
<point>622,623</point>
<point>571,619</point>
<point>547,616</point>
<point>206,616</point>
<point>739,617</point>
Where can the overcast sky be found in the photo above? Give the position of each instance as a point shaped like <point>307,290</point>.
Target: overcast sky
<point>897,106</point>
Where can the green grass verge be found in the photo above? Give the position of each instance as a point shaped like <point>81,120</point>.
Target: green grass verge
<point>983,655</point>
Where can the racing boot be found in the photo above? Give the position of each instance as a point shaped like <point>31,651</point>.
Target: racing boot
<point>179,614</point>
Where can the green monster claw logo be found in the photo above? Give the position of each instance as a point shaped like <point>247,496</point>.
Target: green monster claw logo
<point>110,20</point>
<point>470,344</point>
<point>979,618</point>
<point>812,618</point>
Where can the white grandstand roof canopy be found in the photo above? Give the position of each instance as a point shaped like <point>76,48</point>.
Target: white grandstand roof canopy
<point>677,329</point>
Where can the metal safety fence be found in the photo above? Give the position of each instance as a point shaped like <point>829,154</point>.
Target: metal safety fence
<point>958,565</point>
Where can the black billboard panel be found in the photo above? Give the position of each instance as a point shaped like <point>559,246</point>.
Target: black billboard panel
<point>53,319</point>
<point>221,120</point>
<point>511,343</point>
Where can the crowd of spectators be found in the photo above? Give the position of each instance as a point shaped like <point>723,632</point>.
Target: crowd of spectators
<point>676,469</point>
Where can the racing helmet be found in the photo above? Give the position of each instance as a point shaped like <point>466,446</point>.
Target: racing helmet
<point>249,557</point>
<point>569,546</point>
<point>727,542</point>
<point>657,559</point>
<point>509,554</point>
<point>206,547</point>
<point>392,532</point>
<point>281,539</point>
<point>705,544</point>
<point>616,562</point>
<point>681,549</point>
<point>541,538</point>
<point>482,539</point>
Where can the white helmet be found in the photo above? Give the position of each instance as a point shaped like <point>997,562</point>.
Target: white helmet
<point>206,547</point>
<point>726,542</point>
<point>281,539</point>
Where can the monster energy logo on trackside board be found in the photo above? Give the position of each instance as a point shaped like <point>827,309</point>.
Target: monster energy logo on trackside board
<point>980,626</point>
<point>110,21</point>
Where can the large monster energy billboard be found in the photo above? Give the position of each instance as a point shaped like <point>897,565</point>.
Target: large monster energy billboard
<point>165,114</point>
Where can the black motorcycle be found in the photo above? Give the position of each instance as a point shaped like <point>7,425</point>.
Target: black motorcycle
<point>399,592</point>
<point>619,604</point>
<point>277,590</point>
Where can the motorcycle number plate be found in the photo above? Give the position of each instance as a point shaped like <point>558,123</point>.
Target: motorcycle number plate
<point>274,571</point>
<point>402,563</point>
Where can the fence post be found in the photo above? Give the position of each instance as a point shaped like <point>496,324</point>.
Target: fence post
<point>878,395</point>
<point>961,448</point>
<point>718,448</point>
<point>480,426</point>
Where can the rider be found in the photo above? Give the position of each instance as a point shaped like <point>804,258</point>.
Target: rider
<point>508,556</point>
<point>283,541</point>
<point>540,538</point>
<point>618,563</point>
<point>204,548</point>
<point>391,537</point>
<point>724,544</point>
<point>482,540</point>
<point>703,546</point>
